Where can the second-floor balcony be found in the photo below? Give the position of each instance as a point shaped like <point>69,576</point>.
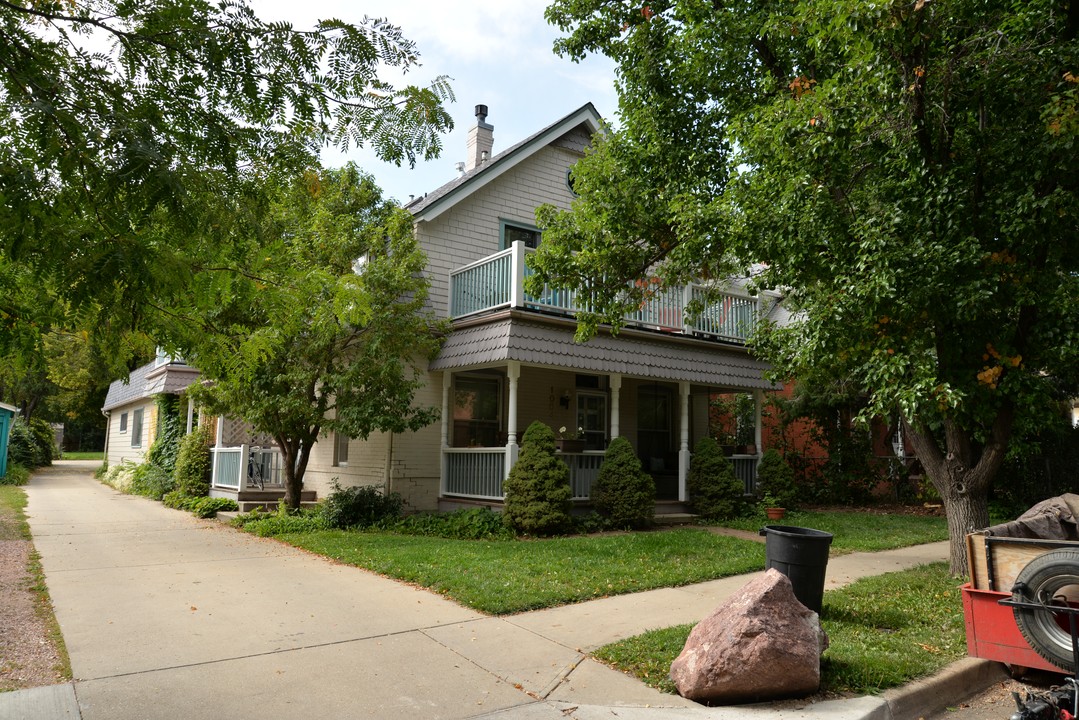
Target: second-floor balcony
<point>497,281</point>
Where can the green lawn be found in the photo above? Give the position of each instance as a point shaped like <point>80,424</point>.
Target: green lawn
<point>859,531</point>
<point>89,455</point>
<point>513,575</point>
<point>507,576</point>
<point>884,631</point>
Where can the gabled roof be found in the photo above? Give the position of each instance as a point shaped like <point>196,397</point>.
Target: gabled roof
<point>149,380</point>
<point>435,203</point>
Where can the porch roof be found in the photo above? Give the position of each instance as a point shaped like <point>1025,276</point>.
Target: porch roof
<point>628,354</point>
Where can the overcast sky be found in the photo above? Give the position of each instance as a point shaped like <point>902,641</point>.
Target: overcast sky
<point>498,53</point>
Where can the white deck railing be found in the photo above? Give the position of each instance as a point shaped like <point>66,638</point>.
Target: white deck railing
<point>497,281</point>
<point>249,464</point>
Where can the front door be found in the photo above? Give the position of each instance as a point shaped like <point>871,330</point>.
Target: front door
<point>655,438</point>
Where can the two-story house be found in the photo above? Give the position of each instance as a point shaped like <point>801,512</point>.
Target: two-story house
<point>511,357</point>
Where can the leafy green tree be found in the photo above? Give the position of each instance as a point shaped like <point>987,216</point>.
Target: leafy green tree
<point>622,491</point>
<point>121,118</point>
<point>714,490</point>
<point>904,172</point>
<point>321,328</point>
<point>537,492</point>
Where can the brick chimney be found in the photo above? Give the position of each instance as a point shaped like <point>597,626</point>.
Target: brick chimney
<point>480,140</point>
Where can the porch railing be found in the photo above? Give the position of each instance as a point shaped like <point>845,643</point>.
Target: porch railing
<point>583,469</point>
<point>745,469</point>
<point>248,464</point>
<point>475,472</point>
<point>497,281</point>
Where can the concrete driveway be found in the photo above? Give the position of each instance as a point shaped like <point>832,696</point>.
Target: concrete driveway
<point>169,616</point>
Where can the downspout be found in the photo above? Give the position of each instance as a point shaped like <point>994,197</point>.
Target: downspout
<point>387,475</point>
<point>108,433</point>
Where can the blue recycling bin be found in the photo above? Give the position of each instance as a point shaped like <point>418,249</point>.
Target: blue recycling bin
<point>802,555</point>
<point>7,416</point>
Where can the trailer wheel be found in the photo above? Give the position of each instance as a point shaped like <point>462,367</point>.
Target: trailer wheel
<point>1049,579</point>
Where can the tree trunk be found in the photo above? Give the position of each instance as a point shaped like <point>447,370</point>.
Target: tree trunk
<point>962,473</point>
<point>294,457</point>
<point>966,513</point>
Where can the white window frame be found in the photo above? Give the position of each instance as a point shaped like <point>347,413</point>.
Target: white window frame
<point>340,449</point>
<point>123,422</point>
<point>136,428</point>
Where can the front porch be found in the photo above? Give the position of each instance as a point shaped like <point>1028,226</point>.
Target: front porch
<point>485,410</point>
<point>252,475</point>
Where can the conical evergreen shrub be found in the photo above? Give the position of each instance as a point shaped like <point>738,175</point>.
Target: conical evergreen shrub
<point>537,492</point>
<point>775,478</point>
<point>715,492</point>
<point>623,491</point>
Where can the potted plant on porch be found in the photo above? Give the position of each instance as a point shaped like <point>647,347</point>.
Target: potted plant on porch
<point>570,441</point>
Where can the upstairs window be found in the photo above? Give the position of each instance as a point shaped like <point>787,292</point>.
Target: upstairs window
<point>123,422</point>
<point>514,231</point>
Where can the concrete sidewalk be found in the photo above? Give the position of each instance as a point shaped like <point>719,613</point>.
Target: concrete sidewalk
<point>169,616</point>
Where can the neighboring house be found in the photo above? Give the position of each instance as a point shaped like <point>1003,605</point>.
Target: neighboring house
<point>512,359</point>
<point>132,413</point>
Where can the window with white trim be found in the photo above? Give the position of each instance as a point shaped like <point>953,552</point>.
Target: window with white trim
<point>513,231</point>
<point>136,428</point>
<point>123,422</point>
<point>340,449</point>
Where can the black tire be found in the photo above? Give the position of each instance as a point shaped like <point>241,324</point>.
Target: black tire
<point>1045,576</point>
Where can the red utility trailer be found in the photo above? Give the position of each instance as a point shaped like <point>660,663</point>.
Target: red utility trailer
<point>992,631</point>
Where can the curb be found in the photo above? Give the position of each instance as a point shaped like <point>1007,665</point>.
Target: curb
<point>955,683</point>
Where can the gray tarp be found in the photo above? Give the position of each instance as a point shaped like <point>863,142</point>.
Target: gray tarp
<point>1054,519</point>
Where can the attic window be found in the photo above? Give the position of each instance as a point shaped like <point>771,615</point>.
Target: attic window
<point>569,182</point>
<point>512,232</point>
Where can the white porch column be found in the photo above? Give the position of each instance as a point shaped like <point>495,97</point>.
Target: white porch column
<point>615,381</point>
<point>513,372</point>
<point>190,415</point>
<point>683,448</point>
<point>517,282</point>
<point>447,381</point>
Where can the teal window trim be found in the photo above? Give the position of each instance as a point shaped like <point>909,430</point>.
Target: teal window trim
<point>503,223</point>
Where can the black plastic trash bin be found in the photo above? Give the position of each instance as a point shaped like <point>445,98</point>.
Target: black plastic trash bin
<point>802,555</point>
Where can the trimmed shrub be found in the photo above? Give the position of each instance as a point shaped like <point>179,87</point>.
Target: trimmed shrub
<point>150,481</point>
<point>623,491</point>
<point>537,493</point>
<point>715,493</point>
<point>359,506</point>
<point>776,479</point>
<point>30,444</point>
<point>194,462</point>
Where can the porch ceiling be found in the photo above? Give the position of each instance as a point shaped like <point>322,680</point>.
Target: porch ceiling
<point>627,354</point>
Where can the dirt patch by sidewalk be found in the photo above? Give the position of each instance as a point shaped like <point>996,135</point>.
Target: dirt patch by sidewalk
<point>28,656</point>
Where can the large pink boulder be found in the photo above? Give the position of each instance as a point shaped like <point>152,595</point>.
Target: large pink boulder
<point>761,644</point>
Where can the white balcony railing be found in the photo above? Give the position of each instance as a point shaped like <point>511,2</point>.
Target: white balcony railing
<point>497,281</point>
